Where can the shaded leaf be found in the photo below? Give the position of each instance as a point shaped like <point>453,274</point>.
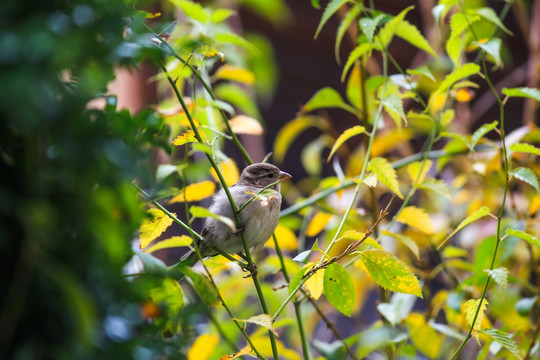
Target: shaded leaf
<point>169,293</point>
<point>489,14</point>
<point>525,92</point>
<point>195,192</point>
<point>423,71</point>
<point>504,339</point>
<point>390,272</point>
<point>480,132</point>
<point>416,218</point>
<point>413,169</point>
<point>291,130</point>
<point>203,286</point>
<point>483,211</point>
<point>525,305</point>
<point>326,98</point>
<point>346,135</point>
<point>358,51</point>
<point>151,264</point>
<point>175,241</point>
<point>153,227</point>
<point>398,308</point>
<point>339,288</point>
<point>526,175</point>
<point>493,48</point>
<point>438,186</point>
<point>385,173</point>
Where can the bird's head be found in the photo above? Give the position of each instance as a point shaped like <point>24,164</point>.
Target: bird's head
<point>261,175</point>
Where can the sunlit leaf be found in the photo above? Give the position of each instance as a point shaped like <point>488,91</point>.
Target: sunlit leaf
<point>286,238</point>
<point>446,330</point>
<point>329,10</point>
<point>193,10</point>
<point>346,135</point>
<point>370,180</point>
<point>423,71</point>
<point>526,175</point>
<point>416,218</point>
<point>369,25</point>
<point>385,173</point>
<point>339,288</point>
<point>201,212</point>
<point>500,275</point>
<point>234,73</point>
<point>464,71</point>
<point>172,242</point>
<point>242,124</point>
<point>326,98</point>
<point>203,347</point>
<point>151,264</point>
<point>237,96</point>
<point>524,305</point>
<point>367,243</point>
<point>504,339</point>
<point>389,29</point>
<point>410,33</point>
<point>437,186</point>
<point>524,236</point>
<point>235,39</point>
<point>244,351</point>
<point>358,51</point>
<point>483,211</point>
<point>413,169</point>
<point>188,137</point>
<point>204,288</point>
<point>398,308</point>
<point>480,132</point>
<point>347,20</point>
<point>221,14</point>
<point>390,272</point>
<point>525,92</point>
<point>311,154</point>
<point>290,132</point>
<point>315,284</point>
<point>489,14</point>
<point>153,227</point>
<point>389,140</point>
<point>393,105</point>
<point>525,148</point>
<point>229,170</point>
<point>470,307</point>
<point>195,192</point>
<point>318,223</point>
<point>263,320</point>
<point>492,48</point>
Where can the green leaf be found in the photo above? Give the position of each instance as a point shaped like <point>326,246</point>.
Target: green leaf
<point>500,275</point>
<point>410,33</point>
<point>237,96</point>
<point>346,135</point>
<point>504,339</point>
<point>312,152</point>
<point>358,51</point>
<point>327,98</point>
<point>525,148</point>
<point>389,29</point>
<point>394,107</point>
<point>490,15</point>
<point>437,186</point>
<point>263,320</point>
<point>329,10</point>
<point>483,211</point>
<point>368,26</point>
<point>221,14</point>
<point>315,4</point>
<point>169,293</point>
<point>399,307</point>
<point>232,38</point>
<point>291,130</point>
<point>343,26</point>
<point>526,175</point>
<point>493,48</point>
<point>480,132</point>
<point>524,236</point>
<point>175,241</point>
<point>472,307</point>
<point>466,70</point>
<point>201,212</point>
<point>446,330</point>
<point>385,173</point>
<point>524,305</point>
<point>390,272</point>
<point>339,288</point>
<point>525,92</point>
<point>405,240</point>
<point>423,71</point>
<point>192,9</point>
<point>151,264</point>
<point>297,278</point>
<point>203,286</point>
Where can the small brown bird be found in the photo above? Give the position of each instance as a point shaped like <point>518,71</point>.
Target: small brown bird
<point>258,219</point>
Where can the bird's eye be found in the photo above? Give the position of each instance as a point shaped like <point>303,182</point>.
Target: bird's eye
<point>270,175</point>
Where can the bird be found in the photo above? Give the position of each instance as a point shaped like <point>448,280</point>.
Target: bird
<point>258,219</point>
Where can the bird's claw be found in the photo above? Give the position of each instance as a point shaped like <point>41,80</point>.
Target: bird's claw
<point>253,271</point>
<point>240,230</point>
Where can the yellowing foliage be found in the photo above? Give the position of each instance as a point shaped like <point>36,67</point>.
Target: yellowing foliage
<point>417,218</point>
<point>203,347</point>
<point>153,227</point>
<point>318,223</point>
<point>195,192</point>
<point>229,170</point>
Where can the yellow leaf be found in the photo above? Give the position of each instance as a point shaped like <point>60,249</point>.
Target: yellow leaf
<point>292,129</point>
<point>423,336</point>
<point>263,320</point>
<point>174,241</point>
<point>385,173</point>
<point>318,223</point>
<point>285,237</point>
<point>195,192</point>
<point>315,283</point>
<point>346,135</point>
<point>389,140</point>
<point>437,102</point>
<point>414,168</point>
<point>229,170</point>
<point>188,137</point>
<point>535,205</point>
<point>234,73</point>
<point>416,218</point>
<point>242,124</point>
<point>370,180</point>
<point>244,351</point>
<point>469,307</point>
<point>152,228</point>
<point>203,347</point>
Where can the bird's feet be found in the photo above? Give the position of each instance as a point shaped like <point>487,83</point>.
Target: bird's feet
<point>251,269</point>
<point>240,230</point>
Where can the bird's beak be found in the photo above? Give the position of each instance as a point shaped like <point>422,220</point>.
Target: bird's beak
<point>284,176</point>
